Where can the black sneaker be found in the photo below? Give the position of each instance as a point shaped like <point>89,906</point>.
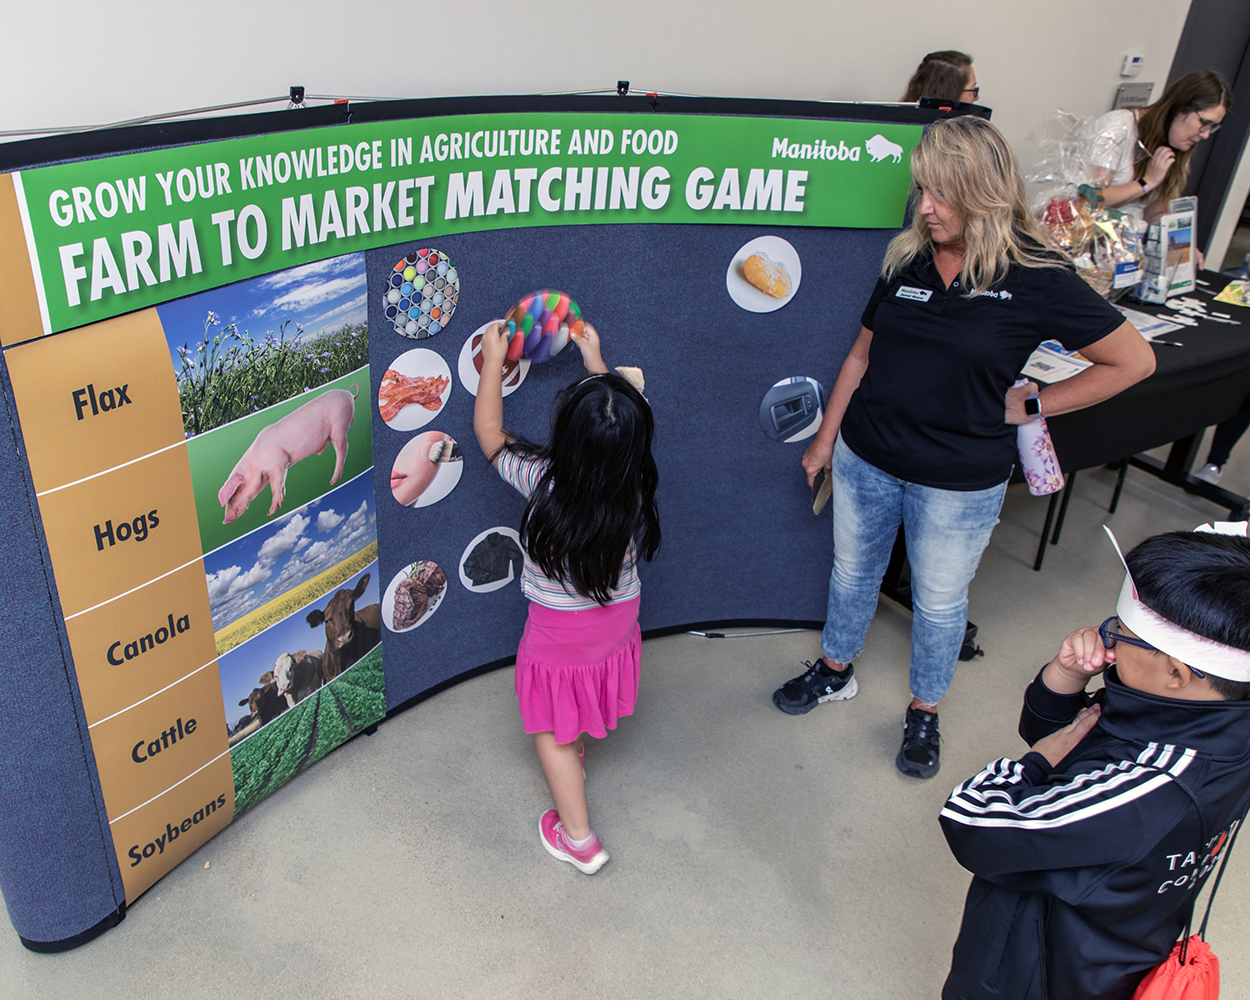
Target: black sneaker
<point>820,683</point>
<point>918,757</point>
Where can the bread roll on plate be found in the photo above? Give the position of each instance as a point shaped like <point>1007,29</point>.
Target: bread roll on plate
<point>769,276</point>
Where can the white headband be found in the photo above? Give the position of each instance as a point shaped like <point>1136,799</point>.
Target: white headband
<point>1207,655</point>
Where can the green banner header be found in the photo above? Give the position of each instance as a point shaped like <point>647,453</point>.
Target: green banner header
<point>116,234</point>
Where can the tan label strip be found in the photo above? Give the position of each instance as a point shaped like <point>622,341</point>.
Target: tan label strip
<point>23,307</point>
<point>152,695</point>
<point>105,472</point>
<point>117,819</point>
<point>132,590</point>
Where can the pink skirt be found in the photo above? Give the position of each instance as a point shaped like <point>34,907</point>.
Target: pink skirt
<point>577,671</point>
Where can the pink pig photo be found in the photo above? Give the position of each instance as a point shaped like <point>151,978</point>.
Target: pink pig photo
<point>309,430</point>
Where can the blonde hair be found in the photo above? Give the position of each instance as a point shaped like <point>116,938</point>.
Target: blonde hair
<point>966,163</point>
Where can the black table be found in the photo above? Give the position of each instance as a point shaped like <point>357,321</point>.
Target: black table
<point>1193,386</point>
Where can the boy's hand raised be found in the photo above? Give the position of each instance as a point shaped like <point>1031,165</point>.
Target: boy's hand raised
<point>1081,656</point>
<point>1063,741</point>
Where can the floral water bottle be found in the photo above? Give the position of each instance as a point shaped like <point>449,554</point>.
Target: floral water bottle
<point>1037,455</point>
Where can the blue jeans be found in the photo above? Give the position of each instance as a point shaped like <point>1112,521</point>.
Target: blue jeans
<point>946,532</point>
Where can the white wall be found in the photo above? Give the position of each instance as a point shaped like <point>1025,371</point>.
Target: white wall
<point>90,63</point>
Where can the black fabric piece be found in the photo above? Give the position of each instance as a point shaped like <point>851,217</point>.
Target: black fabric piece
<point>1044,711</point>
<point>491,558</point>
<point>930,407</point>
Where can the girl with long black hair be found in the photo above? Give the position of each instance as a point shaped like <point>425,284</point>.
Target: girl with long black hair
<point>590,516</point>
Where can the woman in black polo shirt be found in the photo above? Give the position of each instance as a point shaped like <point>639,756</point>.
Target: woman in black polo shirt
<point>925,434</point>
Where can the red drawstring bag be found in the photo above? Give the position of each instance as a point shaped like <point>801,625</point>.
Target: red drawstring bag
<point>1191,972</point>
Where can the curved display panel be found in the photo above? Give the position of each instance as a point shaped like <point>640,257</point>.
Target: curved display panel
<point>213,348</point>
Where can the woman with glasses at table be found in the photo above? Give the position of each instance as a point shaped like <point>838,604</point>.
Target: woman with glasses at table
<point>947,74</point>
<point>1146,151</point>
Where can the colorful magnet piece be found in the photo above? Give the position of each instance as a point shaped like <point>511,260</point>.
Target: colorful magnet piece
<point>540,325</point>
<point>543,351</point>
<point>421,293</point>
<point>560,339</point>
<point>516,345</point>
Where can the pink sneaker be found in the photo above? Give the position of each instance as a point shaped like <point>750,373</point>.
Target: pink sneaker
<point>587,860</point>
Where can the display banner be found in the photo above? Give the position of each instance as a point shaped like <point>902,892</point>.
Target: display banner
<point>240,377</point>
<point>204,681</point>
<point>114,235</point>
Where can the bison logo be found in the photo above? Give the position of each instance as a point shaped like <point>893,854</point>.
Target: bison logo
<point>879,147</point>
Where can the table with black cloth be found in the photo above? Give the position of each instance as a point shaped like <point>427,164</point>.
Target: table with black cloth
<point>1194,386</point>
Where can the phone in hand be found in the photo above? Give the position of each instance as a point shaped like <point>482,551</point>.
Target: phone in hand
<point>822,490</point>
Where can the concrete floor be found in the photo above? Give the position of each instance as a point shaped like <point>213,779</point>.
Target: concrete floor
<point>753,854</point>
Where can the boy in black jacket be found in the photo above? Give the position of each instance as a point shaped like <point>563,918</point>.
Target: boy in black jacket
<point>1087,855</point>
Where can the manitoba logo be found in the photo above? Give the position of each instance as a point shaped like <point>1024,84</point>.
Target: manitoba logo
<point>814,150</point>
<point>878,148</point>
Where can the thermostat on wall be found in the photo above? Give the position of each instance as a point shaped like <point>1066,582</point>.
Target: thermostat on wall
<point>1132,65</point>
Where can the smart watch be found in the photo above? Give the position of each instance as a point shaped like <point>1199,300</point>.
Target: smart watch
<point>1033,407</point>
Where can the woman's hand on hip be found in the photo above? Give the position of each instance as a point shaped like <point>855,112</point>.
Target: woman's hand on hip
<point>1015,403</point>
<point>818,456</point>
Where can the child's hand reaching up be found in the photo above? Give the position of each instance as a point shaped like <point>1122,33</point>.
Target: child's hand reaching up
<point>488,407</point>
<point>588,343</point>
<point>494,348</point>
<point>1080,657</point>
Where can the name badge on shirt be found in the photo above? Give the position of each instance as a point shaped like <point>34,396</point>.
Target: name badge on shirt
<point>914,294</point>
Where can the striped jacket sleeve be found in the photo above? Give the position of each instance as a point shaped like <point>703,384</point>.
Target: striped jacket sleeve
<point>1020,824</point>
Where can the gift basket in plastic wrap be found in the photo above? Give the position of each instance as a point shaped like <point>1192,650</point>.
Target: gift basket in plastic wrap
<point>1077,159</point>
